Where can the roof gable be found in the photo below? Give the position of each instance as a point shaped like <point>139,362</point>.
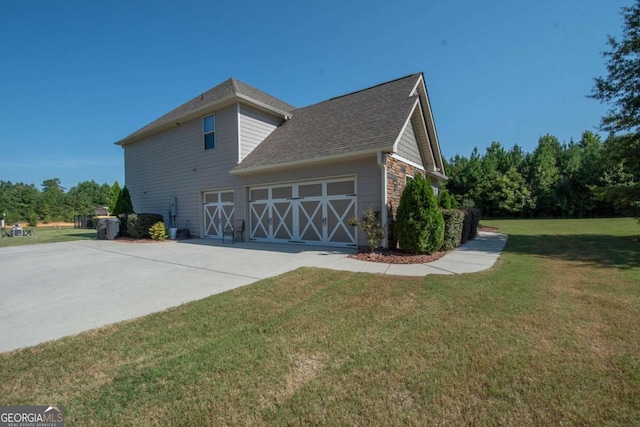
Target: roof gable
<point>226,92</point>
<point>365,121</point>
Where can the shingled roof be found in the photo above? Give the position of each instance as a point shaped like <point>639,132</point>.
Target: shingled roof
<point>227,90</point>
<point>366,121</point>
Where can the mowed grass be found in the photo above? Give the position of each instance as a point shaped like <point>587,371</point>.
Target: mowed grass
<point>47,235</point>
<point>549,336</point>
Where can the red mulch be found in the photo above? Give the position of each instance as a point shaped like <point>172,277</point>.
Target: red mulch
<point>388,256</point>
<point>489,229</point>
<point>126,239</point>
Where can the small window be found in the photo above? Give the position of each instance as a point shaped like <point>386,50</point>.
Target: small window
<point>209,127</point>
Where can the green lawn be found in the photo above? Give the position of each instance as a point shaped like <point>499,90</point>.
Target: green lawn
<point>549,336</point>
<point>47,235</point>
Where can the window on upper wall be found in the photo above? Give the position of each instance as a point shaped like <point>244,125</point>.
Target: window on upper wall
<point>209,127</point>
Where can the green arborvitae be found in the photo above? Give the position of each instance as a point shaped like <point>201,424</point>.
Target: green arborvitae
<point>419,225</point>
<point>123,205</point>
<point>115,195</point>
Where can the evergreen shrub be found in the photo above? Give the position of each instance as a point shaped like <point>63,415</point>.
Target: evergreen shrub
<point>123,204</point>
<point>137,225</point>
<point>453,221</point>
<point>470,225</point>
<point>419,225</point>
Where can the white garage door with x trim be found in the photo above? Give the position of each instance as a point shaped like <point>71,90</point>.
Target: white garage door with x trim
<point>308,212</point>
<point>218,212</point>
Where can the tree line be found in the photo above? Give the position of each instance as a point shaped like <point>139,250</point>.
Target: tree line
<point>25,202</point>
<point>555,180</point>
<point>585,178</point>
<point>589,177</point>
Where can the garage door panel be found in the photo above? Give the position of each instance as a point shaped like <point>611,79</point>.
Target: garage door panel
<point>311,220</point>
<point>282,192</point>
<point>282,220</point>
<point>338,213</point>
<point>340,188</point>
<point>310,190</point>
<point>259,219</point>
<point>226,216</point>
<point>211,220</point>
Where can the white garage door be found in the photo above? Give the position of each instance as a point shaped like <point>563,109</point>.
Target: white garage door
<point>218,212</point>
<point>307,212</point>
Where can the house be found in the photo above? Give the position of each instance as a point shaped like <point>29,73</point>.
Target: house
<point>293,174</point>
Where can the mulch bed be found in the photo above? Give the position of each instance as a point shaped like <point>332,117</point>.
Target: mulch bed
<point>126,239</point>
<point>389,256</point>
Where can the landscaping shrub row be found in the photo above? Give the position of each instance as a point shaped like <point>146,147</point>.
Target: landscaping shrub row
<point>470,225</point>
<point>453,221</point>
<point>425,224</point>
<point>137,225</point>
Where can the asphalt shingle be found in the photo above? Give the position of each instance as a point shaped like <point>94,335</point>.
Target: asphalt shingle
<point>226,89</point>
<point>367,120</point>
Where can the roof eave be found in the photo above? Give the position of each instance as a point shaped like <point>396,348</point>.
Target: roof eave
<point>222,102</point>
<point>308,162</point>
<point>285,114</point>
<point>178,120</point>
<point>421,86</point>
<point>438,175</point>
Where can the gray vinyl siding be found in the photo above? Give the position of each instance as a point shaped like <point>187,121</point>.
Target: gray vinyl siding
<point>255,126</point>
<point>408,145</point>
<point>366,171</point>
<point>175,163</point>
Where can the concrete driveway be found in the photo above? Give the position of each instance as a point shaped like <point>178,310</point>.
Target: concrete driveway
<point>54,290</point>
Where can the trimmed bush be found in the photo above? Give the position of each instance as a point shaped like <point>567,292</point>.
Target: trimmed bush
<point>419,224</point>
<point>453,221</point>
<point>370,225</point>
<point>158,231</point>
<point>470,225</point>
<point>137,225</point>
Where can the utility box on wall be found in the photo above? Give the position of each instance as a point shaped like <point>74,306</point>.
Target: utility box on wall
<point>174,207</point>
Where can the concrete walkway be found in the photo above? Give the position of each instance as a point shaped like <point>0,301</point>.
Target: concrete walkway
<point>53,290</point>
<point>476,255</point>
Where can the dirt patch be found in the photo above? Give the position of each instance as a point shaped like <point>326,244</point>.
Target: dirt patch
<point>56,224</point>
<point>389,256</point>
<point>305,368</point>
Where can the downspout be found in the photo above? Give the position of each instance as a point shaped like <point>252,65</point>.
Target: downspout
<point>384,214</point>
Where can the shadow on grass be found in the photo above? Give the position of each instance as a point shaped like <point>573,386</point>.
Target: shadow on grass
<point>595,249</point>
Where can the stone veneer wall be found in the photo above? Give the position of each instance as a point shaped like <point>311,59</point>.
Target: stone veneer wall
<point>397,173</point>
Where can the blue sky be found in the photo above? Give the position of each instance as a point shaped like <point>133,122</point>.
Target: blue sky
<point>76,76</point>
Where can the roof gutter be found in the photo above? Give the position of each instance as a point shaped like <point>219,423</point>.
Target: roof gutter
<point>384,214</point>
<point>300,163</point>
